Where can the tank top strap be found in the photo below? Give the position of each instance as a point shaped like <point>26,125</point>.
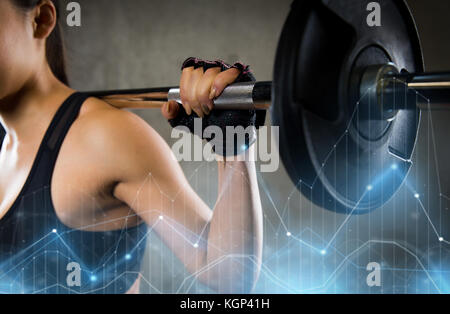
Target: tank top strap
<point>2,135</point>
<point>63,120</point>
<point>66,115</point>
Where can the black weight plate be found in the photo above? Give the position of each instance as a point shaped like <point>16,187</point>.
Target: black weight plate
<point>338,160</point>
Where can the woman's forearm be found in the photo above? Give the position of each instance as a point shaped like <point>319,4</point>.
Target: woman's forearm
<point>236,231</point>
<point>229,260</point>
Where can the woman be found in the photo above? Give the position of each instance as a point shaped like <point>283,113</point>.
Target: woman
<point>80,180</point>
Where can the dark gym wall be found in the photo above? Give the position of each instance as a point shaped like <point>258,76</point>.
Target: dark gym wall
<point>434,25</point>
<point>141,43</point>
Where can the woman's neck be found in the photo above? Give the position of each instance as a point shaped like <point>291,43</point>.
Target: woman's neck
<point>33,105</point>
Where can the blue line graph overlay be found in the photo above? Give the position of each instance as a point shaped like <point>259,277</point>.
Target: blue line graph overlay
<point>306,249</point>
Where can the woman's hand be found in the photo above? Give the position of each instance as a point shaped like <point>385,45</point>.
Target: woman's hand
<point>199,88</point>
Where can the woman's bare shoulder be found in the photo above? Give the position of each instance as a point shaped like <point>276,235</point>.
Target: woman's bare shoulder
<point>99,119</point>
<point>117,135</point>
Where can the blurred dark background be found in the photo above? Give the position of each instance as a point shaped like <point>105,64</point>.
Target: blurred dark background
<point>142,43</point>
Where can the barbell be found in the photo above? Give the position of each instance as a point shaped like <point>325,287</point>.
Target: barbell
<point>346,95</point>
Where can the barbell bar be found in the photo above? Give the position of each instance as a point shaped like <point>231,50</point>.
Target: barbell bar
<point>257,95</point>
<point>238,96</point>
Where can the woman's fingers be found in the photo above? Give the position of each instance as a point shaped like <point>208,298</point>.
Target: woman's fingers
<point>193,102</point>
<point>188,82</point>
<point>184,88</point>
<point>222,80</point>
<point>204,89</point>
<point>199,88</point>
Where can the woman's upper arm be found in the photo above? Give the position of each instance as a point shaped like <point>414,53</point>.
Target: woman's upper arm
<point>150,180</point>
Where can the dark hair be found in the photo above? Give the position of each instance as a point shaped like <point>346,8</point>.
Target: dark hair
<point>55,51</point>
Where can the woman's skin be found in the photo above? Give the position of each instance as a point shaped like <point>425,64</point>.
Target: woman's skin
<point>116,160</point>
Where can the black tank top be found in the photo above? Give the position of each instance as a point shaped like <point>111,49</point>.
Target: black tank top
<point>39,254</point>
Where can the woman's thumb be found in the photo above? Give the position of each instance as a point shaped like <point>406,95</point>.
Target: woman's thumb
<point>170,110</point>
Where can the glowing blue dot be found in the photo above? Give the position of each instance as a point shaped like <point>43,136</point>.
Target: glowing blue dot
<point>288,234</point>
<point>54,231</point>
<point>394,167</point>
<point>416,195</point>
<point>369,188</point>
<point>128,256</point>
<point>93,278</point>
<point>323,252</point>
<point>244,147</point>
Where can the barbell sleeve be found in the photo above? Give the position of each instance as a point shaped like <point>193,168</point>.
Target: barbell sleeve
<point>432,90</point>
